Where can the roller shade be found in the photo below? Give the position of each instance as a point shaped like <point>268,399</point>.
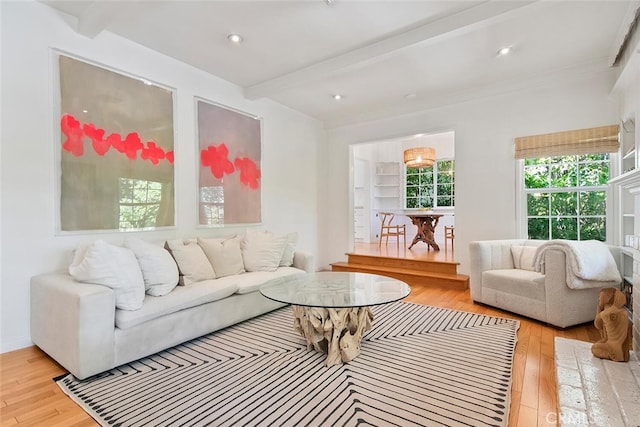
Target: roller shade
<point>582,141</point>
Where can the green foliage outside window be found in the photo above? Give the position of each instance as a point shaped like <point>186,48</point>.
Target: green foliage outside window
<point>431,187</point>
<point>566,197</point>
<point>139,203</point>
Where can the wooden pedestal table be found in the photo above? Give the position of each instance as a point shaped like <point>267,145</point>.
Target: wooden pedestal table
<point>332,310</point>
<point>337,332</point>
<point>426,224</point>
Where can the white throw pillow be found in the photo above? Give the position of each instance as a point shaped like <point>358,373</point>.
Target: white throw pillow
<point>112,266</point>
<point>289,249</point>
<point>224,254</point>
<point>193,265</point>
<point>262,251</point>
<point>159,269</point>
<point>523,257</point>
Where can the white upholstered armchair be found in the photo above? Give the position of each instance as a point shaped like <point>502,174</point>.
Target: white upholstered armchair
<point>502,275</point>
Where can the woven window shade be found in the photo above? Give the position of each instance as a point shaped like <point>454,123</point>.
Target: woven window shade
<point>582,141</point>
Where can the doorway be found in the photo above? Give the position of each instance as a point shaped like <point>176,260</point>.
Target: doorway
<point>380,182</point>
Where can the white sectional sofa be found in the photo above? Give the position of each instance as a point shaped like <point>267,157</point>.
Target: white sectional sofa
<point>80,326</point>
<point>502,275</point>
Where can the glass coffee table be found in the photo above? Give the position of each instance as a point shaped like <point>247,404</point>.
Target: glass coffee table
<point>332,310</point>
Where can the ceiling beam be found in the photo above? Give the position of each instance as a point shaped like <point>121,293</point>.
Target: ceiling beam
<point>481,15</point>
<point>100,14</point>
<point>624,31</point>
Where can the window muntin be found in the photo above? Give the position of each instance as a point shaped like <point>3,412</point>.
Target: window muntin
<point>566,197</point>
<point>430,187</point>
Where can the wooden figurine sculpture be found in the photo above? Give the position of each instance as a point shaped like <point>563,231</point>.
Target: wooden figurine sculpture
<point>614,326</point>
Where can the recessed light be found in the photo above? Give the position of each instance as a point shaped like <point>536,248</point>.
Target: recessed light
<point>329,2</point>
<point>410,96</point>
<point>337,97</point>
<point>235,38</point>
<point>503,51</point>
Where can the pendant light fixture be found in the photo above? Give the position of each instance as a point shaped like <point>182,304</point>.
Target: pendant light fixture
<point>419,157</point>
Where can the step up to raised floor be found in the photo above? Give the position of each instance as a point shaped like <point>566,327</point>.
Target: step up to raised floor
<point>414,272</point>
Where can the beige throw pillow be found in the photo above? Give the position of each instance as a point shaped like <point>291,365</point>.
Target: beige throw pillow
<point>192,262</point>
<point>262,250</point>
<point>112,266</point>
<point>523,257</point>
<point>289,249</point>
<point>159,269</point>
<point>224,255</point>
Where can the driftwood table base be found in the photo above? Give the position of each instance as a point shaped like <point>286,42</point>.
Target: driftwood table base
<point>426,226</point>
<point>337,332</point>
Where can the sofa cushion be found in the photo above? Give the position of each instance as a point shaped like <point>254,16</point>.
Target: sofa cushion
<point>523,256</point>
<point>262,250</point>
<point>159,269</point>
<point>192,262</point>
<point>251,282</point>
<point>224,255</point>
<point>528,284</point>
<point>112,266</point>
<point>180,298</point>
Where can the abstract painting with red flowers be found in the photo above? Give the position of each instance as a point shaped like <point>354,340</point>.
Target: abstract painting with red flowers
<point>116,150</point>
<point>230,177</point>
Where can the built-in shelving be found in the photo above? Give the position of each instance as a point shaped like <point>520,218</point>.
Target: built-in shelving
<point>627,277</point>
<point>386,187</point>
<point>627,184</point>
<point>628,146</point>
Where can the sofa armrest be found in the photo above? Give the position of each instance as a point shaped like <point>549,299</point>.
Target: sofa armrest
<point>304,261</point>
<point>74,323</point>
<point>566,306</point>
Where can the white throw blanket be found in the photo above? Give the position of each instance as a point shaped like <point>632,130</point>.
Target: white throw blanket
<point>589,263</point>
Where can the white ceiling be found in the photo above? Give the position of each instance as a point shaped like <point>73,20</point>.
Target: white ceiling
<point>374,53</point>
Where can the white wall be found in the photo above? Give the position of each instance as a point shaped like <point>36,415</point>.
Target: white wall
<point>291,149</point>
<point>485,166</point>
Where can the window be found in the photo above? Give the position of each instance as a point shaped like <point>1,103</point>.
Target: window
<point>139,203</point>
<point>566,197</point>
<point>431,187</point>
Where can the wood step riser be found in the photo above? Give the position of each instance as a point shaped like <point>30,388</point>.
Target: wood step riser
<point>407,264</point>
<point>417,278</point>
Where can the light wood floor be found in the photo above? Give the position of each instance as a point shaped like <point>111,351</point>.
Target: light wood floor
<point>30,397</point>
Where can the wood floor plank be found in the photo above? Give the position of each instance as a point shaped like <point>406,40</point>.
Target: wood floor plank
<point>519,363</point>
<point>527,417</point>
<point>514,409</point>
<point>547,393</point>
<point>531,371</point>
<point>546,342</point>
<point>71,415</point>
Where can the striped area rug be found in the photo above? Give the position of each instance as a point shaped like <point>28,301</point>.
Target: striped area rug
<point>419,366</point>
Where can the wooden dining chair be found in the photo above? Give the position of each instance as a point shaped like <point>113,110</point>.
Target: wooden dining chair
<point>449,234</point>
<point>394,230</point>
